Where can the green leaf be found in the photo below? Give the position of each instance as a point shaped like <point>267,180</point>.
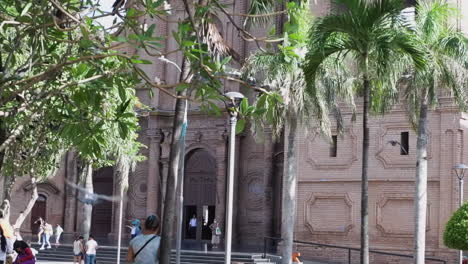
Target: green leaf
<point>181,87</point>
<point>240,126</point>
<point>139,61</point>
<point>150,30</point>
<point>123,130</point>
<point>26,9</point>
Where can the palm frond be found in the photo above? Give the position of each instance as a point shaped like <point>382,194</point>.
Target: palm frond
<point>260,7</point>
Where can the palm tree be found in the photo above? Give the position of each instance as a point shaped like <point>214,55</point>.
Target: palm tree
<point>369,41</point>
<point>279,70</point>
<point>447,58</point>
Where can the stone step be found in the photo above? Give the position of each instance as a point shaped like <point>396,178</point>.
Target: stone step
<point>107,255</point>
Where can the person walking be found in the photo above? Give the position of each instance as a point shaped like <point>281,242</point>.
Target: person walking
<point>58,233</point>
<point>215,233</point>
<point>144,249</point>
<point>25,255</point>
<point>48,232</point>
<point>78,250</point>
<point>193,227</point>
<point>91,248</point>
<point>41,229</point>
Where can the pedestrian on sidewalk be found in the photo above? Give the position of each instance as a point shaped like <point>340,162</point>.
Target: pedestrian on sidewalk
<point>144,249</point>
<point>48,232</point>
<point>215,234</point>
<point>91,248</point>
<point>58,233</point>
<point>78,250</point>
<point>25,255</point>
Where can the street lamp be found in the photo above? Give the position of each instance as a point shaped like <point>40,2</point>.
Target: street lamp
<point>460,170</point>
<point>234,100</point>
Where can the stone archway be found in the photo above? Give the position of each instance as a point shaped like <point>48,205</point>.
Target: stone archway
<point>199,193</point>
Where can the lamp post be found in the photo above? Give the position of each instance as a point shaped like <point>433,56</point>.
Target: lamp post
<point>460,170</point>
<point>232,104</point>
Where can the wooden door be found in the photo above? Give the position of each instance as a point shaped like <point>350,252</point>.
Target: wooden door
<point>39,210</point>
<point>101,221</point>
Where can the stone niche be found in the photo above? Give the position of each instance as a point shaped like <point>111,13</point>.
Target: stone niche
<point>329,213</point>
<point>390,155</point>
<point>395,215</point>
<point>318,150</point>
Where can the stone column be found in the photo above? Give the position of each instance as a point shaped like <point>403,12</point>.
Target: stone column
<point>164,160</point>
<point>268,208</point>
<point>70,194</point>
<point>221,159</point>
<point>153,179</point>
<point>448,156</point>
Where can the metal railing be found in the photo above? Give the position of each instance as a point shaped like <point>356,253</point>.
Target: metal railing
<point>349,249</point>
<point>265,239</point>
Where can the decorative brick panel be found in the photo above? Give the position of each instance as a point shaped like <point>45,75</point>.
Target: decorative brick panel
<point>329,213</point>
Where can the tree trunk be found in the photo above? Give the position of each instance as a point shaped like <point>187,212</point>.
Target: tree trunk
<point>175,155</point>
<point>22,216</point>
<point>288,216</point>
<point>420,199</point>
<point>87,208</point>
<point>122,170</point>
<point>365,180</point>
<point>9,183</point>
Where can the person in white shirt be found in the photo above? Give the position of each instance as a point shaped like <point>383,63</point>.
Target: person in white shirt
<point>78,250</point>
<point>58,233</point>
<point>193,227</point>
<point>48,232</point>
<point>91,247</point>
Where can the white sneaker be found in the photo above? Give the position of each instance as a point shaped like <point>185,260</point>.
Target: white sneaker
<point>41,248</point>
<point>49,247</point>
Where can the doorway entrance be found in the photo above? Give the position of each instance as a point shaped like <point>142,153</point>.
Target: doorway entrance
<point>199,195</point>
<point>103,183</point>
<point>39,210</point>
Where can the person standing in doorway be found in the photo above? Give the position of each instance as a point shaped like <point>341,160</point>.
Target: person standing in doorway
<point>91,248</point>
<point>58,233</point>
<point>144,249</point>
<point>215,234</point>
<point>48,232</point>
<point>193,227</point>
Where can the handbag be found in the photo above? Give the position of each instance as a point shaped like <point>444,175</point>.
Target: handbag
<point>218,231</point>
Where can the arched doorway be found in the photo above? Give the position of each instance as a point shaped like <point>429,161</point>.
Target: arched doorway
<point>103,183</point>
<point>199,194</point>
<point>39,210</point>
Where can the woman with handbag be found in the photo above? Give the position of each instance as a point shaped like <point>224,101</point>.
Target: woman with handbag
<point>144,249</point>
<point>215,234</point>
<point>25,255</point>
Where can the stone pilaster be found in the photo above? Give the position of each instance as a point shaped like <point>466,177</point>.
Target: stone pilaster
<point>70,194</point>
<point>154,177</point>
